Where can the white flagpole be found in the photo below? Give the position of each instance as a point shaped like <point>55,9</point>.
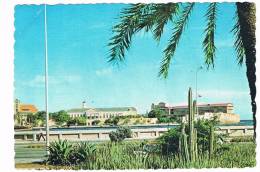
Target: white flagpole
<point>46,78</point>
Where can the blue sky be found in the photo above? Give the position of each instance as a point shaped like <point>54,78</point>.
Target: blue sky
<point>78,68</point>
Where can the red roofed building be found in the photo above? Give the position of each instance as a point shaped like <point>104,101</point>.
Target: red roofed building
<point>202,108</point>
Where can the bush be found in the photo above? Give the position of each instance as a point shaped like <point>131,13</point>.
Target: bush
<point>83,152</point>
<point>64,153</point>
<point>120,134</point>
<point>170,141</point>
<point>243,139</point>
<point>60,153</point>
<point>96,122</point>
<point>156,113</point>
<point>113,121</point>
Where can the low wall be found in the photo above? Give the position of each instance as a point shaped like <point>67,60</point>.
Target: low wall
<point>100,135</point>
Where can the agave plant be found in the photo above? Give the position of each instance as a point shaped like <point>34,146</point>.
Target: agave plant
<point>60,152</point>
<point>84,152</point>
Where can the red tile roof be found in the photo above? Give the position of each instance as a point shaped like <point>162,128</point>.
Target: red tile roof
<point>28,108</point>
<point>202,105</point>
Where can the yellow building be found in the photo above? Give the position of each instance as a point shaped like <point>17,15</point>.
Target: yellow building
<point>22,110</point>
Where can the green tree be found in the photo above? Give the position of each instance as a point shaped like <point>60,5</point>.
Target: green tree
<point>60,117</point>
<point>156,113</point>
<point>154,17</point>
<point>96,122</point>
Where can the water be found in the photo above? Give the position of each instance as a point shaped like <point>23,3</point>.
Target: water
<point>110,127</point>
<point>241,123</point>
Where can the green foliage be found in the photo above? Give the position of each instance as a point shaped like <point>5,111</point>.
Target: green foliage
<point>77,121</point>
<point>143,155</point>
<point>108,121</point>
<point>60,117</point>
<point>60,153</point>
<point>242,139</point>
<point>166,120</point>
<point>132,155</point>
<point>112,121</point>
<point>96,122</point>
<point>64,153</point>
<point>83,152</point>
<point>81,120</point>
<point>170,141</point>
<point>179,27</point>
<point>120,134</point>
<point>36,119</point>
<point>209,42</point>
<point>156,113</point>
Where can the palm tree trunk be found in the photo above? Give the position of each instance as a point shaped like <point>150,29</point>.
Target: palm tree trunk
<point>247,20</point>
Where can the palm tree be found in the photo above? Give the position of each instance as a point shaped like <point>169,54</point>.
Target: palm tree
<point>154,17</point>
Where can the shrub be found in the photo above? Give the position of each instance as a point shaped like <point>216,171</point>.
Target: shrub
<point>120,134</point>
<point>96,122</point>
<point>60,153</point>
<point>242,139</point>
<point>108,121</point>
<point>83,152</point>
<point>170,141</point>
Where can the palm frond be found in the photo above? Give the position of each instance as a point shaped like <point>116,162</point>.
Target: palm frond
<point>135,18</point>
<point>125,29</point>
<point>179,27</point>
<point>239,47</point>
<point>209,42</point>
<point>162,14</point>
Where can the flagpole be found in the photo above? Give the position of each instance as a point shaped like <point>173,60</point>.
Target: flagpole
<point>46,79</point>
<point>197,111</point>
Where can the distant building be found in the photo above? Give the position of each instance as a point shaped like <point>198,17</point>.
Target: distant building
<point>100,113</point>
<point>206,111</point>
<point>22,110</point>
<point>202,108</point>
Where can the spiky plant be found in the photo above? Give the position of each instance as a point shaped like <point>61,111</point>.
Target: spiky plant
<point>60,152</point>
<point>154,17</point>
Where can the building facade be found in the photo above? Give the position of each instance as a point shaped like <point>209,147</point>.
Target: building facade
<point>21,111</point>
<point>202,108</point>
<point>223,111</point>
<point>101,113</point>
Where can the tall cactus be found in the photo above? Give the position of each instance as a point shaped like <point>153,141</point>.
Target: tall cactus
<point>211,141</point>
<point>195,143</point>
<point>191,125</point>
<point>183,146</point>
<point>189,152</point>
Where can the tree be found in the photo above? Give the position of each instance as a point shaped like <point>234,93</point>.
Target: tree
<point>154,17</point>
<point>96,122</point>
<point>60,117</point>
<point>155,113</point>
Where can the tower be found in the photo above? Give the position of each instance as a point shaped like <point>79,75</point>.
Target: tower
<point>84,104</point>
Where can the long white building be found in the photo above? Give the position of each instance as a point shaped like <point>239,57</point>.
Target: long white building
<point>101,113</point>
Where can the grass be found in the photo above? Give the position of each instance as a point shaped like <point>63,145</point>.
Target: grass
<point>129,155</point>
<point>122,156</point>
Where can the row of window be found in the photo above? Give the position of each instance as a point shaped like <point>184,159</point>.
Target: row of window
<point>96,115</point>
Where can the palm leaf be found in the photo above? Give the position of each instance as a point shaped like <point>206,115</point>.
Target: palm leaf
<point>135,18</point>
<point>239,47</point>
<point>125,29</point>
<point>173,42</point>
<point>162,14</point>
<point>209,43</point>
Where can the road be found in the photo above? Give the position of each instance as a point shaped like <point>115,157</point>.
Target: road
<point>29,152</point>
